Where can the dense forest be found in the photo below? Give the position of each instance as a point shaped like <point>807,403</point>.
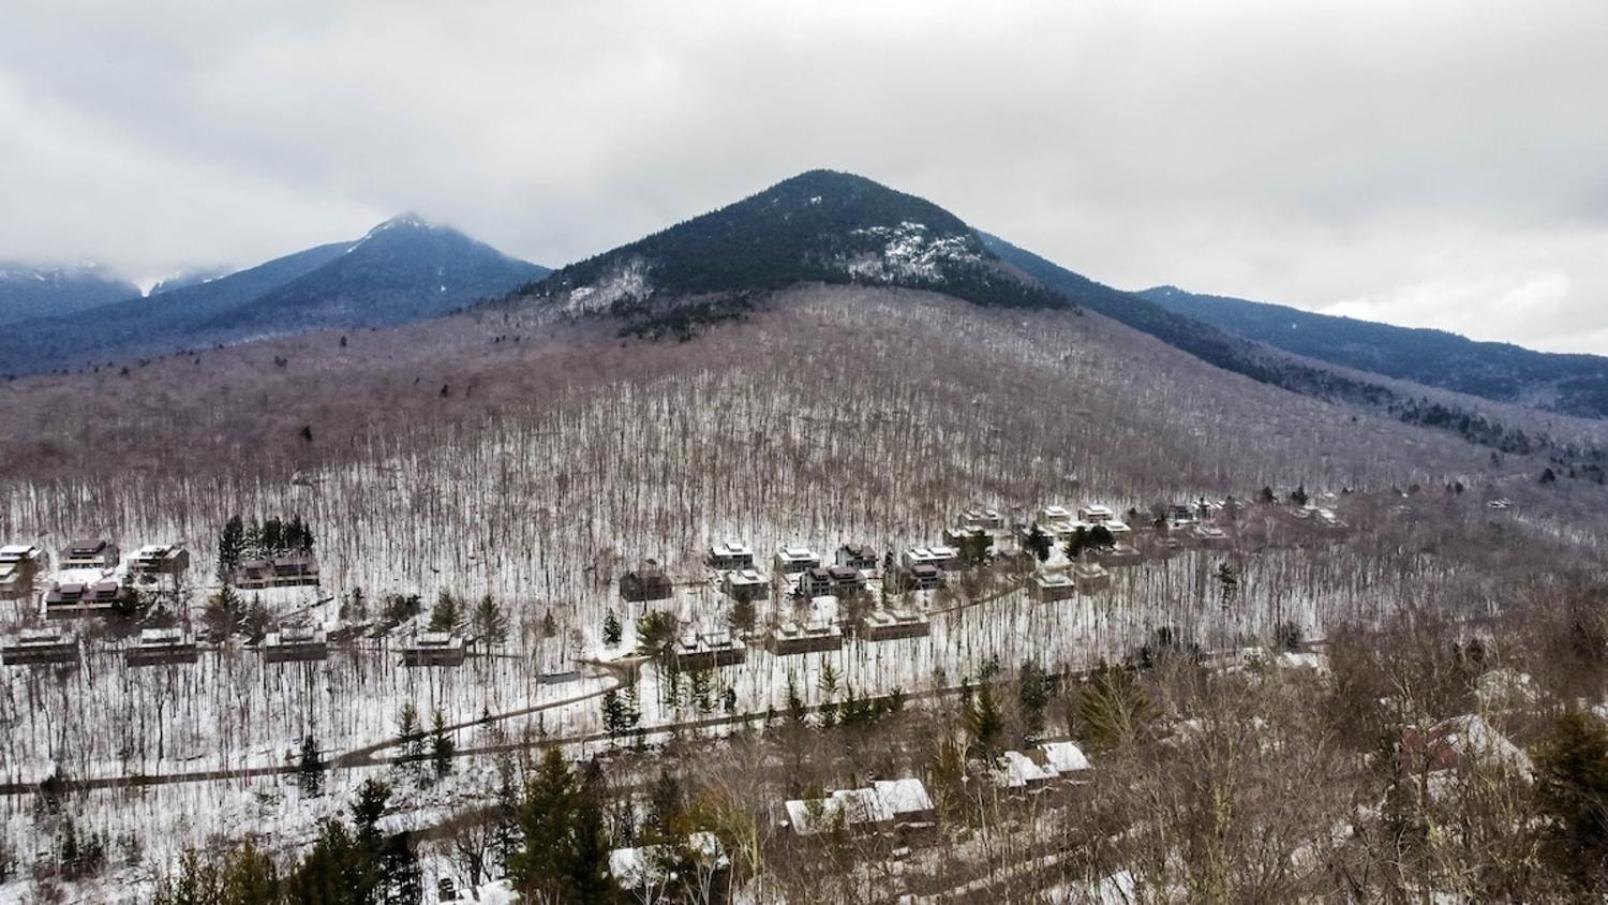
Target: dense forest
<point>818,227</point>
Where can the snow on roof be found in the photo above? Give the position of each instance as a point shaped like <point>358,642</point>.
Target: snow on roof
<point>1065,756</point>
<point>1018,770</point>
<point>1471,735</point>
<point>796,553</point>
<point>852,806</point>
<point>632,868</point>
<point>12,551</point>
<point>903,796</point>
<point>1299,660</point>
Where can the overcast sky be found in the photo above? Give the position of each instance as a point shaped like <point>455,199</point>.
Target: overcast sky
<point>1439,163</point>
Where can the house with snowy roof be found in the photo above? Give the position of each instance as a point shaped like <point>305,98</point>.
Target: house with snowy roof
<point>858,556</point>
<point>793,560</point>
<point>660,872</point>
<point>745,584</point>
<point>295,644</point>
<point>892,625</point>
<point>1048,587</point>
<point>1458,742</point>
<point>857,811</point>
<point>985,518</point>
<point>162,647</point>
<point>153,561</point>
<point>792,638</point>
<point>730,554</point>
<point>709,650</point>
<point>38,647</point>
<point>92,553</point>
<point>433,649</point>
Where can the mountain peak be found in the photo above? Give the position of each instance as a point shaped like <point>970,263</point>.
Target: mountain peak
<point>406,220</point>
<point>821,226</point>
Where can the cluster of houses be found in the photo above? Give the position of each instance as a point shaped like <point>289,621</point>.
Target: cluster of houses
<point>904,808</point>
<point>898,806</point>
<point>804,574</point>
<point>92,578</point>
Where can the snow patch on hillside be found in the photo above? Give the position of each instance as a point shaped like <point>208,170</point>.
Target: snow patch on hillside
<point>628,281</point>
<point>911,250</point>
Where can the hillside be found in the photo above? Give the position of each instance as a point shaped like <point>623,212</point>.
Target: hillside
<point>29,292</point>
<point>402,270</point>
<point>1306,376</point>
<point>1571,384</point>
<point>817,227</point>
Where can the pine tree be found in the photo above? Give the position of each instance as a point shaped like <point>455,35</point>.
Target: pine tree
<point>1038,543</point>
<point>223,614</point>
<point>310,768</point>
<point>588,860</point>
<point>611,629</point>
<point>446,613</point>
<point>490,623</point>
<point>1033,693</point>
<point>442,747</point>
<point>613,714</point>
<point>409,732</point>
<point>984,723</point>
<point>231,547</point>
<point>547,815</point>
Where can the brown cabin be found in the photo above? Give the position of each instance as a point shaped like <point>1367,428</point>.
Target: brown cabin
<point>646,582</point>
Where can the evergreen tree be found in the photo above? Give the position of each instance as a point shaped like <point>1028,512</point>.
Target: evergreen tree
<point>540,868</point>
<point>1076,542</point>
<point>231,547</point>
<point>224,613</point>
<point>310,768</point>
<point>1572,792</point>
<point>445,614</point>
<point>409,732</point>
<point>1038,543</point>
<point>984,723</point>
<point>589,882</point>
<point>656,635</point>
<point>614,720</point>
<point>611,629</point>
<point>490,623</point>
<point>442,747</point>
<point>257,620</point>
<point>1228,579</point>
<point>1033,693</point>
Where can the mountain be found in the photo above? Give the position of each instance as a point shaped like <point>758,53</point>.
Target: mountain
<point>185,278</point>
<point>1269,364</point>
<point>818,227</point>
<point>1569,384</point>
<point>28,292</point>
<point>402,270</point>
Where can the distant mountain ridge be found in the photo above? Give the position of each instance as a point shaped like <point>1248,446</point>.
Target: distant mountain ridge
<point>1568,384</point>
<point>403,270</point>
<point>1268,364</point>
<point>818,227</point>
<point>28,291</point>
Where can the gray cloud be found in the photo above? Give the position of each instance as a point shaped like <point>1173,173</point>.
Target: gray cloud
<point>1435,164</point>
